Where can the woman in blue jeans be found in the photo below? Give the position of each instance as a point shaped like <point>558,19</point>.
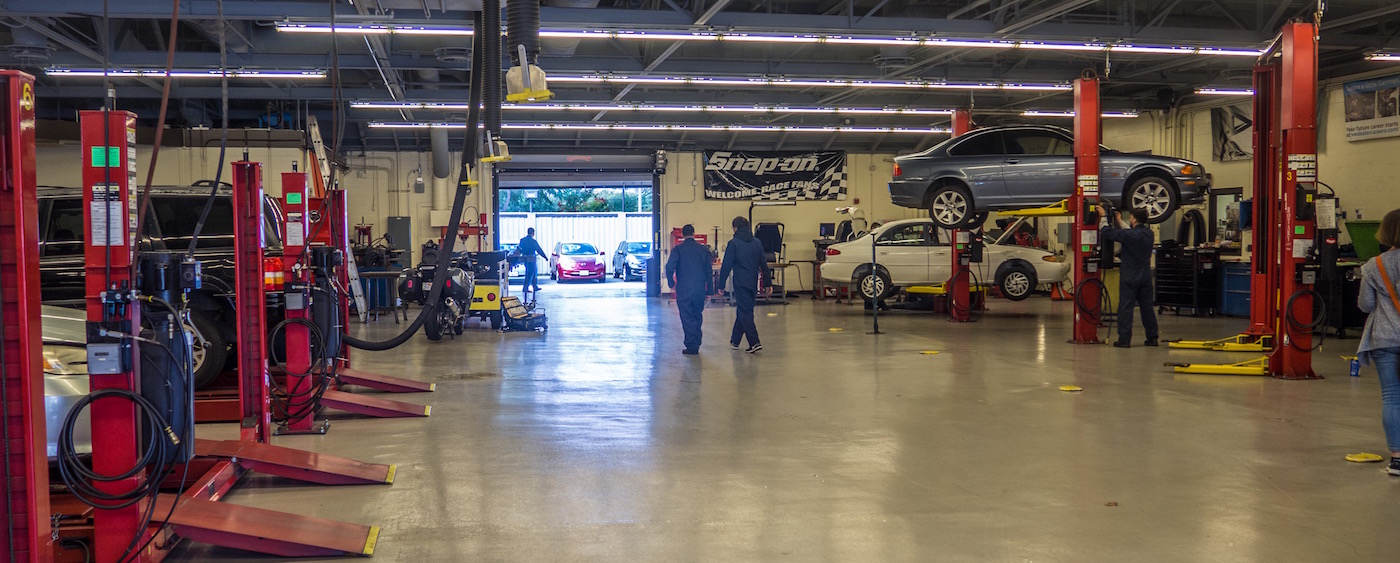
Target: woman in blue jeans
<point>1380,343</point>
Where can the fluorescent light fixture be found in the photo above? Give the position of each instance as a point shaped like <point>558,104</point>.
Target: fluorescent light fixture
<point>1213,91</point>
<point>1383,56</point>
<point>375,29</point>
<point>664,127</point>
<point>660,34</point>
<point>176,73</point>
<point>678,108</point>
<point>800,82</point>
<point>1043,113</point>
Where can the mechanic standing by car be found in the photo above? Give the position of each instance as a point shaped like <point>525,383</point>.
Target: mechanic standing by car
<point>1135,275</point>
<point>1380,343</point>
<point>745,257</point>
<point>688,270</point>
<point>528,249</point>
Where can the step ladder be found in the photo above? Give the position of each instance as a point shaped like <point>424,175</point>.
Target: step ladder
<point>322,183</point>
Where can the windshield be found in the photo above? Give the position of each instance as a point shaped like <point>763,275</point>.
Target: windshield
<point>639,248</point>
<point>577,249</point>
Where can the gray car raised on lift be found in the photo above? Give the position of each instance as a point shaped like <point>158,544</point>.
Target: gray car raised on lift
<point>1020,166</point>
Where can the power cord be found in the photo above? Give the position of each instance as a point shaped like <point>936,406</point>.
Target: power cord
<point>1312,328</point>
<point>1105,304</point>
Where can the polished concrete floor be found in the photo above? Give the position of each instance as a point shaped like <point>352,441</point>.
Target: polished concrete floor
<point>599,441</point>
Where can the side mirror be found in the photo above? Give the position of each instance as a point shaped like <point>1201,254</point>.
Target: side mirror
<point>601,253</point>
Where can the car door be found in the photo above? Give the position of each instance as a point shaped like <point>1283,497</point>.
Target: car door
<point>1039,166</point>
<point>903,251</point>
<point>979,158</point>
<point>940,255</point>
<point>61,272</point>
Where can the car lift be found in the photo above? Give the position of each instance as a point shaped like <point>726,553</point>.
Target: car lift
<point>1084,203</point>
<point>964,254</point>
<point>26,469</point>
<point>192,513</point>
<point>1285,176</point>
<point>313,223</point>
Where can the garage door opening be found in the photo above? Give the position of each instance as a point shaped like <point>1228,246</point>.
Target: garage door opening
<point>596,236</point>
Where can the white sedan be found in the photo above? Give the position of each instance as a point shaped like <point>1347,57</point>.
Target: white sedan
<point>916,252</point>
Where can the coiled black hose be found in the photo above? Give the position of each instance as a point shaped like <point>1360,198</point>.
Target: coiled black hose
<point>1296,326</point>
<point>1105,302</point>
<point>491,96</point>
<point>523,22</point>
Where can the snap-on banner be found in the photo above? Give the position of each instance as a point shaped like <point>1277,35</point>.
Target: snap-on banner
<point>775,175</point>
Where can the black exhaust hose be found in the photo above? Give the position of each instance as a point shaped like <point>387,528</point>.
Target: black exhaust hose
<point>459,202</point>
<point>523,23</point>
<point>492,51</point>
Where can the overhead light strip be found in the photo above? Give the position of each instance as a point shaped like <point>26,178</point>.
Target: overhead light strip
<point>1220,91</point>
<point>1382,56</point>
<point>669,128</point>
<point>1056,113</point>
<point>677,108</point>
<point>780,37</point>
<point>186,73</point>
<point>802,82</point>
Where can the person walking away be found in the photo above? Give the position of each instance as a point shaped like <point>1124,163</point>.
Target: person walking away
<point>744,257</point>
<point>688,270</point>
<point>1380,342</point>
<point>1135,275</point>
<point>529,248</point>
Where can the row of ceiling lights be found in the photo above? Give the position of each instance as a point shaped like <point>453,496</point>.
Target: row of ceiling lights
<point>706,108</point>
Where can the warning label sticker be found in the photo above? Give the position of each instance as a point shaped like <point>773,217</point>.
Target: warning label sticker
<point>108,216</point>
<point>1089,184</point>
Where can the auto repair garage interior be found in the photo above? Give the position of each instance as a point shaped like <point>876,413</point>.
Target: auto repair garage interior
<point>257,299</point>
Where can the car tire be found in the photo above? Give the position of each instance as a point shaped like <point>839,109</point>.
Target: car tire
<point>1016,282</point>
<point>210,350</point>
<point>553,274</point>
<point>874,286</point>
<point>603,279</point>
<point>950,206</point>
<point>617,274</point>
<point>1155,194</point>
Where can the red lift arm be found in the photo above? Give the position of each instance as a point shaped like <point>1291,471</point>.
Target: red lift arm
<point>1084,203</point>
<point>26,470</point>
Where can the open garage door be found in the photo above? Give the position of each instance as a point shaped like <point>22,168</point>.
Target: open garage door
<point>610,228</point>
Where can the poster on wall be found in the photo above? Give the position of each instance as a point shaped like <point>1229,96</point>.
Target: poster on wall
<point>1232,133</point>
<point>775,175</point>
<point>1372,108</point>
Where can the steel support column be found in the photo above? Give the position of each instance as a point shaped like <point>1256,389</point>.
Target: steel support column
<point>255,414</point>
<point>26,470</point>
<point>959,286</point>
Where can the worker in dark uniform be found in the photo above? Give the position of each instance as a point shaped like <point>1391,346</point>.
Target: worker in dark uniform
<point>528,249</point>
<point>744,257</point>
<point>688,270</point>
<point>1135,275</point>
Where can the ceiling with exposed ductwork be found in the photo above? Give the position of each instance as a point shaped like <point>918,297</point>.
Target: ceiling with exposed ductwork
<point>865,75</point>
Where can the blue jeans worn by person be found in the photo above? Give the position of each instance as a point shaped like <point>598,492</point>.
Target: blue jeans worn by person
<point>531,272</point>
<point>1387,361</point>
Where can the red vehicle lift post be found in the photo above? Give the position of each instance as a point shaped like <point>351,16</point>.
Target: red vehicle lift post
<point>1295,135</point>
<point>1084,203</point>
<point>26,468</point>
<point>959,286</point>
<point>109,167</point>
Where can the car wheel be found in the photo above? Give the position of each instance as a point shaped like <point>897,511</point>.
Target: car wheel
<point>617,274</point>
<point>553,274</point>
<point>209,352</point>
<point>1155,194</point>
<point>602,278</point>
<point>1016,282</point>
<point>950,206</point>
<point>875,286</point>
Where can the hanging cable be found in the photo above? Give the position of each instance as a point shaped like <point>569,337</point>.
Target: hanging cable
<point>145,203</point>
<point>479,80</point>
<point>1296,326</point>
<point>223,130</point>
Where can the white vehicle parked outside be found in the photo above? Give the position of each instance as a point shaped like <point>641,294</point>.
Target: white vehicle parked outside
<point>916,252</point>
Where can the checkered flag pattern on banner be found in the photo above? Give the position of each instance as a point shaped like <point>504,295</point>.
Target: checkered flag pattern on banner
<point>832,186</point>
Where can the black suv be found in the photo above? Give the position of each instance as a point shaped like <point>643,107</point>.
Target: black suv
<point>175,211</point>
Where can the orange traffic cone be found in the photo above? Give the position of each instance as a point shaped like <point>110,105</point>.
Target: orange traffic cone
<point>1057,293</point>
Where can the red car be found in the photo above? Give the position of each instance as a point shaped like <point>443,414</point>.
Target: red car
<point>577,261</point>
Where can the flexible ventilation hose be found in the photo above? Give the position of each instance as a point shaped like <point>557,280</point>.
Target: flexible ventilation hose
<point>523,21</point>
<point>479,80</point>
<point>492,51</point>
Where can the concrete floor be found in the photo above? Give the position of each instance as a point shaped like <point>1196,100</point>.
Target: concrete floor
<point>599,441</point>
